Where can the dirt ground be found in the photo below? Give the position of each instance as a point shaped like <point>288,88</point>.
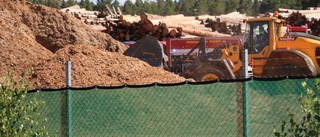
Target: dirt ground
<point>42,39</point>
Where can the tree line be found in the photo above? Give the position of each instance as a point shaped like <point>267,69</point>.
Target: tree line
<point>185,7</point>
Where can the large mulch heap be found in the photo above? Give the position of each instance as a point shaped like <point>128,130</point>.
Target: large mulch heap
<point>43,39</point>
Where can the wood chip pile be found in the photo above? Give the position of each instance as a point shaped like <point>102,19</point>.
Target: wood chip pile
<point>42,39</point>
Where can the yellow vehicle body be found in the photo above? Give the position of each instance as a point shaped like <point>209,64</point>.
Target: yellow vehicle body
<point>284,53</point>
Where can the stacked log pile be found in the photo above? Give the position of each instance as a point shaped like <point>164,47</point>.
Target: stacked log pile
<point>123,30</point>
<point>300,20</point>
<point>96,19</point>
<point>314,26</point>
<point>92,17</point>
<point>295,19</point>
<point>113,23</point>
<point>89,18</point>
<point>222,27</point>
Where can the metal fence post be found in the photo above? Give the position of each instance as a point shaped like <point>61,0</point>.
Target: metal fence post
<point>239,109</point>
<point>68,99</point>
<point>63,114</point>
<point>245,93</point>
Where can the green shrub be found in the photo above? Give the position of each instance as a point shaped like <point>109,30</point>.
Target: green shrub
<point>19,116</point>
<point>306,125</point>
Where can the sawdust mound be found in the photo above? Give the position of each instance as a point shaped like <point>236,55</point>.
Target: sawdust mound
<point>43,38</point>
<point>54,29</point>
<point>92,66</point>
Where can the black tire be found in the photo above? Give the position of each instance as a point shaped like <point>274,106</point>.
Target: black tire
<point>207,74</point>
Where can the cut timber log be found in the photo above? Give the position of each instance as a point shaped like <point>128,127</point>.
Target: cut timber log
<point>120,13</point>
<point>114,10</point>
<point>165,32</point>
<point>202,33</point>
<point>143,17</point>
<point>173,33</point>
<point>199,27</point>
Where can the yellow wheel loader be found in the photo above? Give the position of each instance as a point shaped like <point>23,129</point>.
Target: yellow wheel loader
<point>277,52</point>
<point>274,51</point>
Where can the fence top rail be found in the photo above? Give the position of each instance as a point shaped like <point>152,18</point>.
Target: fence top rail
<point>141,85</point>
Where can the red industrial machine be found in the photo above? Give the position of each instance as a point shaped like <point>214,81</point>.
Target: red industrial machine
<point>177,47</point>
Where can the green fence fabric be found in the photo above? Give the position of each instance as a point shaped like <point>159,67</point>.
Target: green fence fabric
<point>51,110</point>
<point>214,109</point>
<point>268,102</point>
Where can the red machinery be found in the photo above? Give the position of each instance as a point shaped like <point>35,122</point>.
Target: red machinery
<point>176,47</point>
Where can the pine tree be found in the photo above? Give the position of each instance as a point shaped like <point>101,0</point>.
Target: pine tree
<point>138,7</point>
<point>187,7</point>
<point>161,7</point>
<point>204,6</point>
<point>305,4</point>
<point>147,7</point>
<point>246,7</point>
<point>82,4</point>
<point>154,7</point>
<point>71,3</point>
<point>178,6</point>
<point>314,3</point>
<point>232,5</point>
<point>169,8</point>
<point>298,5</point>
<point>249,10</point>
<point>101,7</point>
<point>63,4</point>
<point>196,9</point>
<point>38,2</point>
<point>89,4</point>
<point>256,8</point>
<point>286,4</point>
<point>217,7</point>
<point>104,1</point>
<point>274,5</point>
<point>53,4</point>
<point>116,3</point>
<point>128,7</point>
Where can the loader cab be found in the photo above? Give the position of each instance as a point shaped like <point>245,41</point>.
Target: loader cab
<point>260,40</point>
<point>256,36</point>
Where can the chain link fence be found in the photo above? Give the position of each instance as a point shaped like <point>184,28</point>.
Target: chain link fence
<point>228,109</point>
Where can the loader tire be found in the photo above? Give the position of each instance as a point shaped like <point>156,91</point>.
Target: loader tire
<point>209,70</point>
<point>209,74</point>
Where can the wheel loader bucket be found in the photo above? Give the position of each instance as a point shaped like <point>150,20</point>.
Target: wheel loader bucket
<point>148,49</point>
